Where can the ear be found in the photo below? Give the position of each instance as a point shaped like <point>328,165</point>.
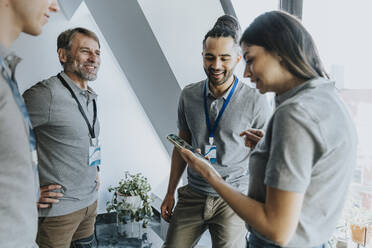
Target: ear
<point>62,55</point>
<point>279,58</point>
<point>238,58</point>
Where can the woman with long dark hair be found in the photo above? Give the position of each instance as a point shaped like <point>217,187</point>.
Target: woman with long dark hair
<point>301,168</point>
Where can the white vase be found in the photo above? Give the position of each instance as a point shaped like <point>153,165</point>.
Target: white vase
<point>130,229</point>
<point>134,202</point>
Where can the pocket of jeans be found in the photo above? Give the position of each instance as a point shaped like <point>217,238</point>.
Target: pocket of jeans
<point>181,191</point>
<point>41,220</point>
<point>89,242</point>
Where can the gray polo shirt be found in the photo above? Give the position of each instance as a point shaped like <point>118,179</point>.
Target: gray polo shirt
<point>18,213</point>
<point>309,148</point>
<point>63,142</point>
<point>246,109</point>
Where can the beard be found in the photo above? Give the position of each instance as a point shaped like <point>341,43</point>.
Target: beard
<point>79,69</point>
<point>226,76</point>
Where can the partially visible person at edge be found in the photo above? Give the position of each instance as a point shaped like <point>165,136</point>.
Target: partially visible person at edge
<point>63,112</point>
<point>301,169</point>
<point>19,181</point>
<point>213,113</point>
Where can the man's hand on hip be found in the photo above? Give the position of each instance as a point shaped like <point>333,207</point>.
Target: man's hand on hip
<point>47,196</point>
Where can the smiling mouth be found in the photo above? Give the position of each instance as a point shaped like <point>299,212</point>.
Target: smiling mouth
<point>217,74</point>
<point>90,67</point>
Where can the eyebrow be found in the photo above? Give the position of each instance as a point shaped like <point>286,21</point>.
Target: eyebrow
<point>221,55</point>
<point>87,48</point>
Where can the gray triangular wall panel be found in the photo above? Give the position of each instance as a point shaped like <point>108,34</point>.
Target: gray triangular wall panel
<point>139,55</point>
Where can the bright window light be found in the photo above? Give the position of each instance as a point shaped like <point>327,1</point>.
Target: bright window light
<point>341,30</point>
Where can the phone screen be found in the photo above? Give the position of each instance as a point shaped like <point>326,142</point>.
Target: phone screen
<point>177,141</point>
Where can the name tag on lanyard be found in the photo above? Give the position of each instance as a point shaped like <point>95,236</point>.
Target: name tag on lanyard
<point>210,151</point>
<point>94,153</point>
<point>34,157</point>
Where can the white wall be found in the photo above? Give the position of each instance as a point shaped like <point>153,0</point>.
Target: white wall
<point>128,139</point>
<point>179,27</point>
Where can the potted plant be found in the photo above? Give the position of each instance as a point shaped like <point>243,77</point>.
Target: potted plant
<point>131,199</point>
<point>355,227</point>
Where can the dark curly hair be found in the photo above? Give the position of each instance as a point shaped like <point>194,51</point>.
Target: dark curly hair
<point>225,26</point>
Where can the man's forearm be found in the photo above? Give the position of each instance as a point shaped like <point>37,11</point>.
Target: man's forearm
<point>177,168</point>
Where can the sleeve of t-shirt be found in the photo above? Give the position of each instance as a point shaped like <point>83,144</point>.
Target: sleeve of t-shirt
<point>294,145</point>
<point>262,112</point>
<point>181,120</point>
<point>38,100</point>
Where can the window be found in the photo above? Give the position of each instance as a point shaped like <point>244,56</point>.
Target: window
<point>341,31</point>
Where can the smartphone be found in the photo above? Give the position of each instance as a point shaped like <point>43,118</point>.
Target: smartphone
<point>180,143</point>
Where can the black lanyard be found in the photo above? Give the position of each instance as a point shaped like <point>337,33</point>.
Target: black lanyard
<point>91,130</point>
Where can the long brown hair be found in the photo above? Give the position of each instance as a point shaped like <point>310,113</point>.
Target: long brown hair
<point>285,36</point>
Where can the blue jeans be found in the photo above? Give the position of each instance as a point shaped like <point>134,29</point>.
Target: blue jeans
<point>256,242</point>
<point>89,242</point>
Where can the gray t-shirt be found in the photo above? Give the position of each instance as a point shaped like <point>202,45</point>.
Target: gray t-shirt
<point>246,109</point>
<point>63,142</point>
<point>18,213</point>
<point>309,148</point>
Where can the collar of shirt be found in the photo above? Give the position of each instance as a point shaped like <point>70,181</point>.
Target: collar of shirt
<point>89,93</point>
<point>310,83</point>
<point>11,60</point>
<point>224,96</point>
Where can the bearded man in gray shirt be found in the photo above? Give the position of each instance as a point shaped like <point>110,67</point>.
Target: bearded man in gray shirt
<point>212,114</point>
<point>63,113</point>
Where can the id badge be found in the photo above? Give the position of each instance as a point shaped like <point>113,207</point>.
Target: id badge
<point>211,153</point>
<point>34,157</point>
<point>94,153</point>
